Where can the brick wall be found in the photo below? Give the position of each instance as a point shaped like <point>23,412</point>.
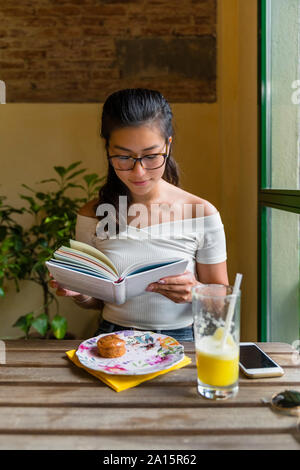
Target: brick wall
<point>82,50</point>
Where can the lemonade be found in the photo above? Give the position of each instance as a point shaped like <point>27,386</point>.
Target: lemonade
<point>217,366</point>
<point>216,315</point>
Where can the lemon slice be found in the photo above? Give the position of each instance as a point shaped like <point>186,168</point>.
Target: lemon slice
<point>218,335</point>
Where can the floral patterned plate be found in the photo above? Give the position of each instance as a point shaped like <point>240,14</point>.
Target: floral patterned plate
<point>146,352</point>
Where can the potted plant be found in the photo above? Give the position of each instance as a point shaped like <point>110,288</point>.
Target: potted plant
<point>23,251</point>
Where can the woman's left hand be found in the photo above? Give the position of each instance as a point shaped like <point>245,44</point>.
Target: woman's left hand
<point>177,288</point>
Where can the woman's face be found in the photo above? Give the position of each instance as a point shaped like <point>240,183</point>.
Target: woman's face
<point>137,142</point>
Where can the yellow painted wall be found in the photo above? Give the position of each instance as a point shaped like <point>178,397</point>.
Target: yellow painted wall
<point>215,148</point>
<point>238,111</point>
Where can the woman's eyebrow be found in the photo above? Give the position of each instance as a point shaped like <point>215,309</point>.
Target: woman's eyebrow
<point>129,150</point>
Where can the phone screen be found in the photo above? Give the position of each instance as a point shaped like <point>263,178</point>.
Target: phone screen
<point>252,358</point>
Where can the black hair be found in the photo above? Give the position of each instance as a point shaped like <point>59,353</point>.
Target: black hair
<point>133,107</point>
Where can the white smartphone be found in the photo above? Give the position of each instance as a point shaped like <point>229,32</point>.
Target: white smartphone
<point>254,362</point>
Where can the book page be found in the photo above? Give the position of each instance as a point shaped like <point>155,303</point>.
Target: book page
<point>147,266</point>
<point>78,258</point>
<point>97,271</point>
<point>90,250</point>
<point>137,283</point>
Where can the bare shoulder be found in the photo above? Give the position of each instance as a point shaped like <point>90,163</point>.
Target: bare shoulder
<point>209,209</point>
<point>89,209</point>
<point>196,202</point>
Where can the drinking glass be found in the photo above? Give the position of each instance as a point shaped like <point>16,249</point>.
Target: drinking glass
<point>216,342</point>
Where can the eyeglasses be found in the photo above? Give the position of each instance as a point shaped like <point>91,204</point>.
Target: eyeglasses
<point>287,402</point>
<point>148,162</point>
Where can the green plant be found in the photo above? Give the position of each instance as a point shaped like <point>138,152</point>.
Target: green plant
<point>23,251</point>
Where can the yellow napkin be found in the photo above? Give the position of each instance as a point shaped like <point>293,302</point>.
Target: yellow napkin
<point>123,382</point>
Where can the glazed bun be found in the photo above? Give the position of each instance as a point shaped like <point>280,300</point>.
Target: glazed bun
<point>111,346</point>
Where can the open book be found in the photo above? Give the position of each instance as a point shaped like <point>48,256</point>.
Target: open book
<point>83,268</point>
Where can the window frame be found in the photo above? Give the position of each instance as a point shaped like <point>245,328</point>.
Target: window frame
<point>286,200</point>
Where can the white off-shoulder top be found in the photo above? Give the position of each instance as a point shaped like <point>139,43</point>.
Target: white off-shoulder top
<point>202,241</point>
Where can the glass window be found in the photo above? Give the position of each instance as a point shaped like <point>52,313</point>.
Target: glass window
<point>283,319</point>
<point>279,194</point>
<point>283,93</point>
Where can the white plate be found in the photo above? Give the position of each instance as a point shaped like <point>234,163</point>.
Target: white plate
<point>146,352</point>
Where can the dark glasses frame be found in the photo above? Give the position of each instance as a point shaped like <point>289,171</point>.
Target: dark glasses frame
<point>140,159</point>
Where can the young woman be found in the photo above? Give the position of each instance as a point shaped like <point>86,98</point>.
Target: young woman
<point>138,133</point>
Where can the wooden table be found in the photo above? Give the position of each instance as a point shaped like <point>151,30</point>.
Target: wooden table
<point>46,402</point>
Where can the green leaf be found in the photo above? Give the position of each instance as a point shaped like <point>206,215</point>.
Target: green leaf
<point>3,232</point>
<point>41,196</point>
<point>73,185</point>
<point>75,174</point>
<point>90,179</point>
<point>27,198</point>
<point>60,170</point>
<point>41,324</point>
<point>33,205</point>
<point>2,293</point>
<point>24,322</point>
<point>73,165</point>
<point>49,180</point>
<point>28,187</point>
<point>51,219</point>
<point>59,326</point>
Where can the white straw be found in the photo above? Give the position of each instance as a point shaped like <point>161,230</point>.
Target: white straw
<point>236,287</point>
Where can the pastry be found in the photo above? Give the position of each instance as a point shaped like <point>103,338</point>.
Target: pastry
<point>111,346</point>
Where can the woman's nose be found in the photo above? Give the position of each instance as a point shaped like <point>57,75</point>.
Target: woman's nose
<point>138,169</point>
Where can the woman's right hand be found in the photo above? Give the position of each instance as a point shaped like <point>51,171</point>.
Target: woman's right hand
<point>84,301</point>
<point>61,291</point>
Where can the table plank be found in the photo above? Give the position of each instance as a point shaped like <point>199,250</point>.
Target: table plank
<point>42,344</point>
<point>152,396</point>
<point>75,375</point>
<point>276,347</point>
<point>122,421</point>
<point>33,358</point>
<point>183,442</point>
<point>30,358</point>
